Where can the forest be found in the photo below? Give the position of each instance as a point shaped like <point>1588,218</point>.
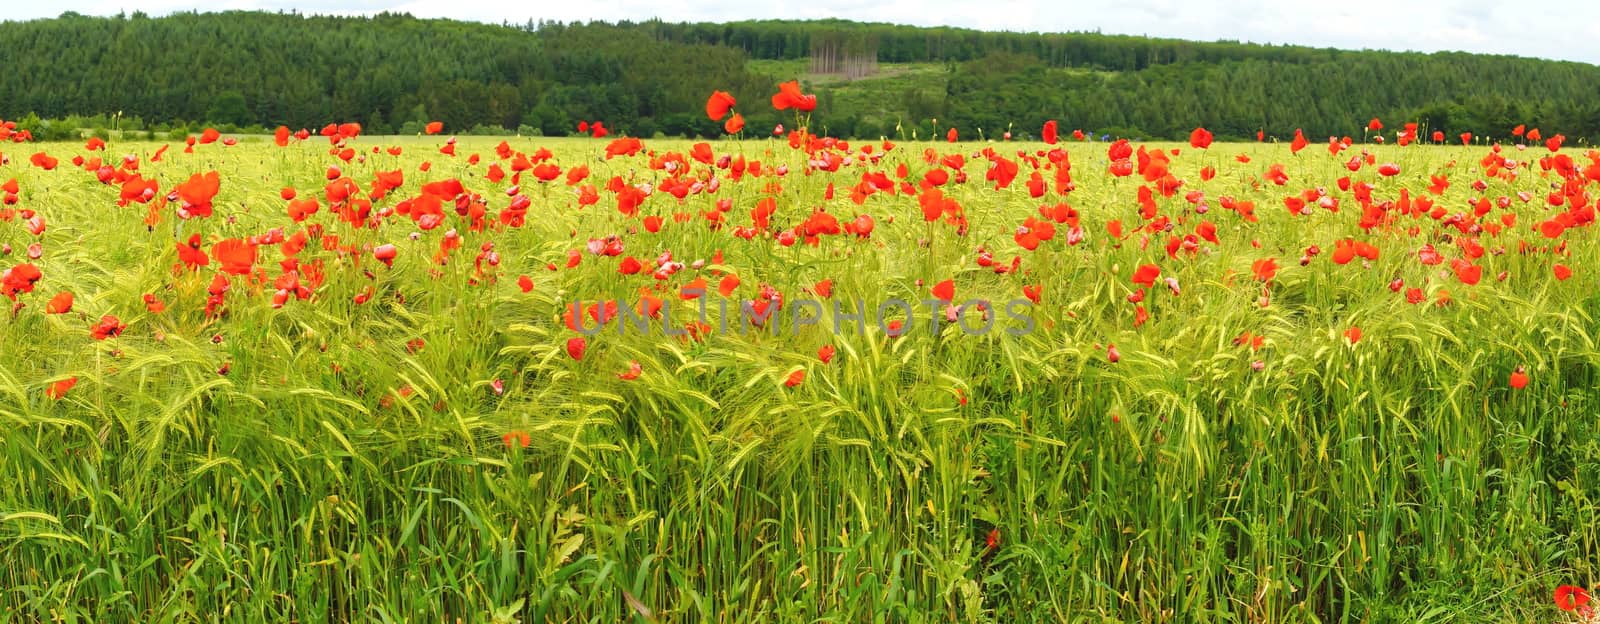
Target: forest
<point>394,72</point>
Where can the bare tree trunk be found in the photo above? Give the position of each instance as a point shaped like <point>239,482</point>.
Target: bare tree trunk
<point>851,56</point>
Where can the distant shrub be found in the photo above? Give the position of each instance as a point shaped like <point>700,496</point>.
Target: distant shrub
<point>489,130</point>
<point>1116,132</point>
<point>56,130</point>
<point>645,128</point>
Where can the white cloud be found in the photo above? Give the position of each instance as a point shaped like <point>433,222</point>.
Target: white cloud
<point>1567,31</point>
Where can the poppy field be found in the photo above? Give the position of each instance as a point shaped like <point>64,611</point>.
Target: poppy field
<point>324,376</point>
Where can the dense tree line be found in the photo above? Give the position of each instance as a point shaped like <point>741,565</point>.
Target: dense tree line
<point>392,72</point>
<point>1166,87</point>
<point>1452,93</point>
<point>781,39</point>
<point>265,69</point>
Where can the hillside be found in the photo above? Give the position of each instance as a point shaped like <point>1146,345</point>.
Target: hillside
<point>265,69</point>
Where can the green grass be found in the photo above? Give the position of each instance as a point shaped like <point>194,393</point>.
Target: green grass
<point>927,75</point>
<point>1395,479</point>
<point>878,98</point>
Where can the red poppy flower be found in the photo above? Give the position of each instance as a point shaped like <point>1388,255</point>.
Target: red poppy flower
<point>516,439</point>
<point>1571,597</point>
<point>19,279</point>
<point>197,193</point>
<point>1033,292</point>
<point>625,146</point>
<point>728,284</point>
<point>60,304</point>
<point>1265,269</point>
<point>1146,275</point>
<point>238,257</point>
<point>1519,380</point>
<point>108,327</point>
<point>59,389</point>
<point>633,372</point>
<point>823,289</point>
<point>43,161</point>
<point>191,254</point>
<point>1299,142</point>
<point>1467,272</point>
<point>718,104</point>
<point>385,254</point>
<point>789,96</point>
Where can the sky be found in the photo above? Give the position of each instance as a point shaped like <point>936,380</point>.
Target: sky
<point>1564,30</point>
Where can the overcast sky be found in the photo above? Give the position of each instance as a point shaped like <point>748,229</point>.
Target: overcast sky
<point>1559,29</point>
